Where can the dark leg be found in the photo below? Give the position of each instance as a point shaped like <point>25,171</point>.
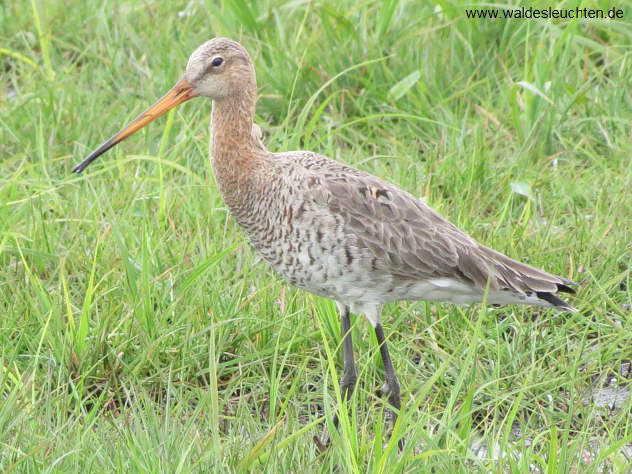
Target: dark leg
<point>349,376</point>
<point>392,384</point>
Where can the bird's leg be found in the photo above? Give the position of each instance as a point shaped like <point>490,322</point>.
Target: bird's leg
<point>391,387</point>
<point>349,376</point>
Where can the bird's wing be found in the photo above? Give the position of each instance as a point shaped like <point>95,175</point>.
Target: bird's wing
<point>413,241</point>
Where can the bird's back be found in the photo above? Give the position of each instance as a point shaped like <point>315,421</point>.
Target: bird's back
<point>344,234</point>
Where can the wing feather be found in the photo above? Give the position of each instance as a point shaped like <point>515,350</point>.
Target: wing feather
<point>409,239</point>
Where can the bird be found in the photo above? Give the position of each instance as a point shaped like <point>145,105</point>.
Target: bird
<point>334,230</point>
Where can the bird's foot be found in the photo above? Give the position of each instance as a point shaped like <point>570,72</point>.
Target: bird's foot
<point>322,444</point>
<point>391,415</point>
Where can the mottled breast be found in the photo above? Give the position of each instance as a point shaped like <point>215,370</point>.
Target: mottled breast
<point>292,228</point>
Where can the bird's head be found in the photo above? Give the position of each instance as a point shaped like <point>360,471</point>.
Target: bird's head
<point>218,69</point>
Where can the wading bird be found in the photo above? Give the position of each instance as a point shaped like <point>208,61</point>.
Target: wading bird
<point>333,230</point>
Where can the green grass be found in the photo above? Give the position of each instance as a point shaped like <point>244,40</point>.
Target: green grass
<point>140,333</point>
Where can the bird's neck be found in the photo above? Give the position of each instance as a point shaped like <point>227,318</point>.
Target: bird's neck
<point>231,123</point>
<point>235,151</point>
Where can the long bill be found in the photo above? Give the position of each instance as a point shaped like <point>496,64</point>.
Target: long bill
<point>181,92</point>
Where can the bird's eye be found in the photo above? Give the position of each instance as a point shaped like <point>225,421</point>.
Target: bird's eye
<point>217,61</point>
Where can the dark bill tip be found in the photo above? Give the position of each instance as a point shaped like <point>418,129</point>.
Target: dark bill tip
<point>95,154</point>
<point>179,93</point>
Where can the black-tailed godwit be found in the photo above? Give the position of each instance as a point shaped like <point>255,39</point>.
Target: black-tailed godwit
<point>333,230</point>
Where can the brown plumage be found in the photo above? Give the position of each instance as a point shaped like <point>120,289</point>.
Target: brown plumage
<point>334,230</point>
